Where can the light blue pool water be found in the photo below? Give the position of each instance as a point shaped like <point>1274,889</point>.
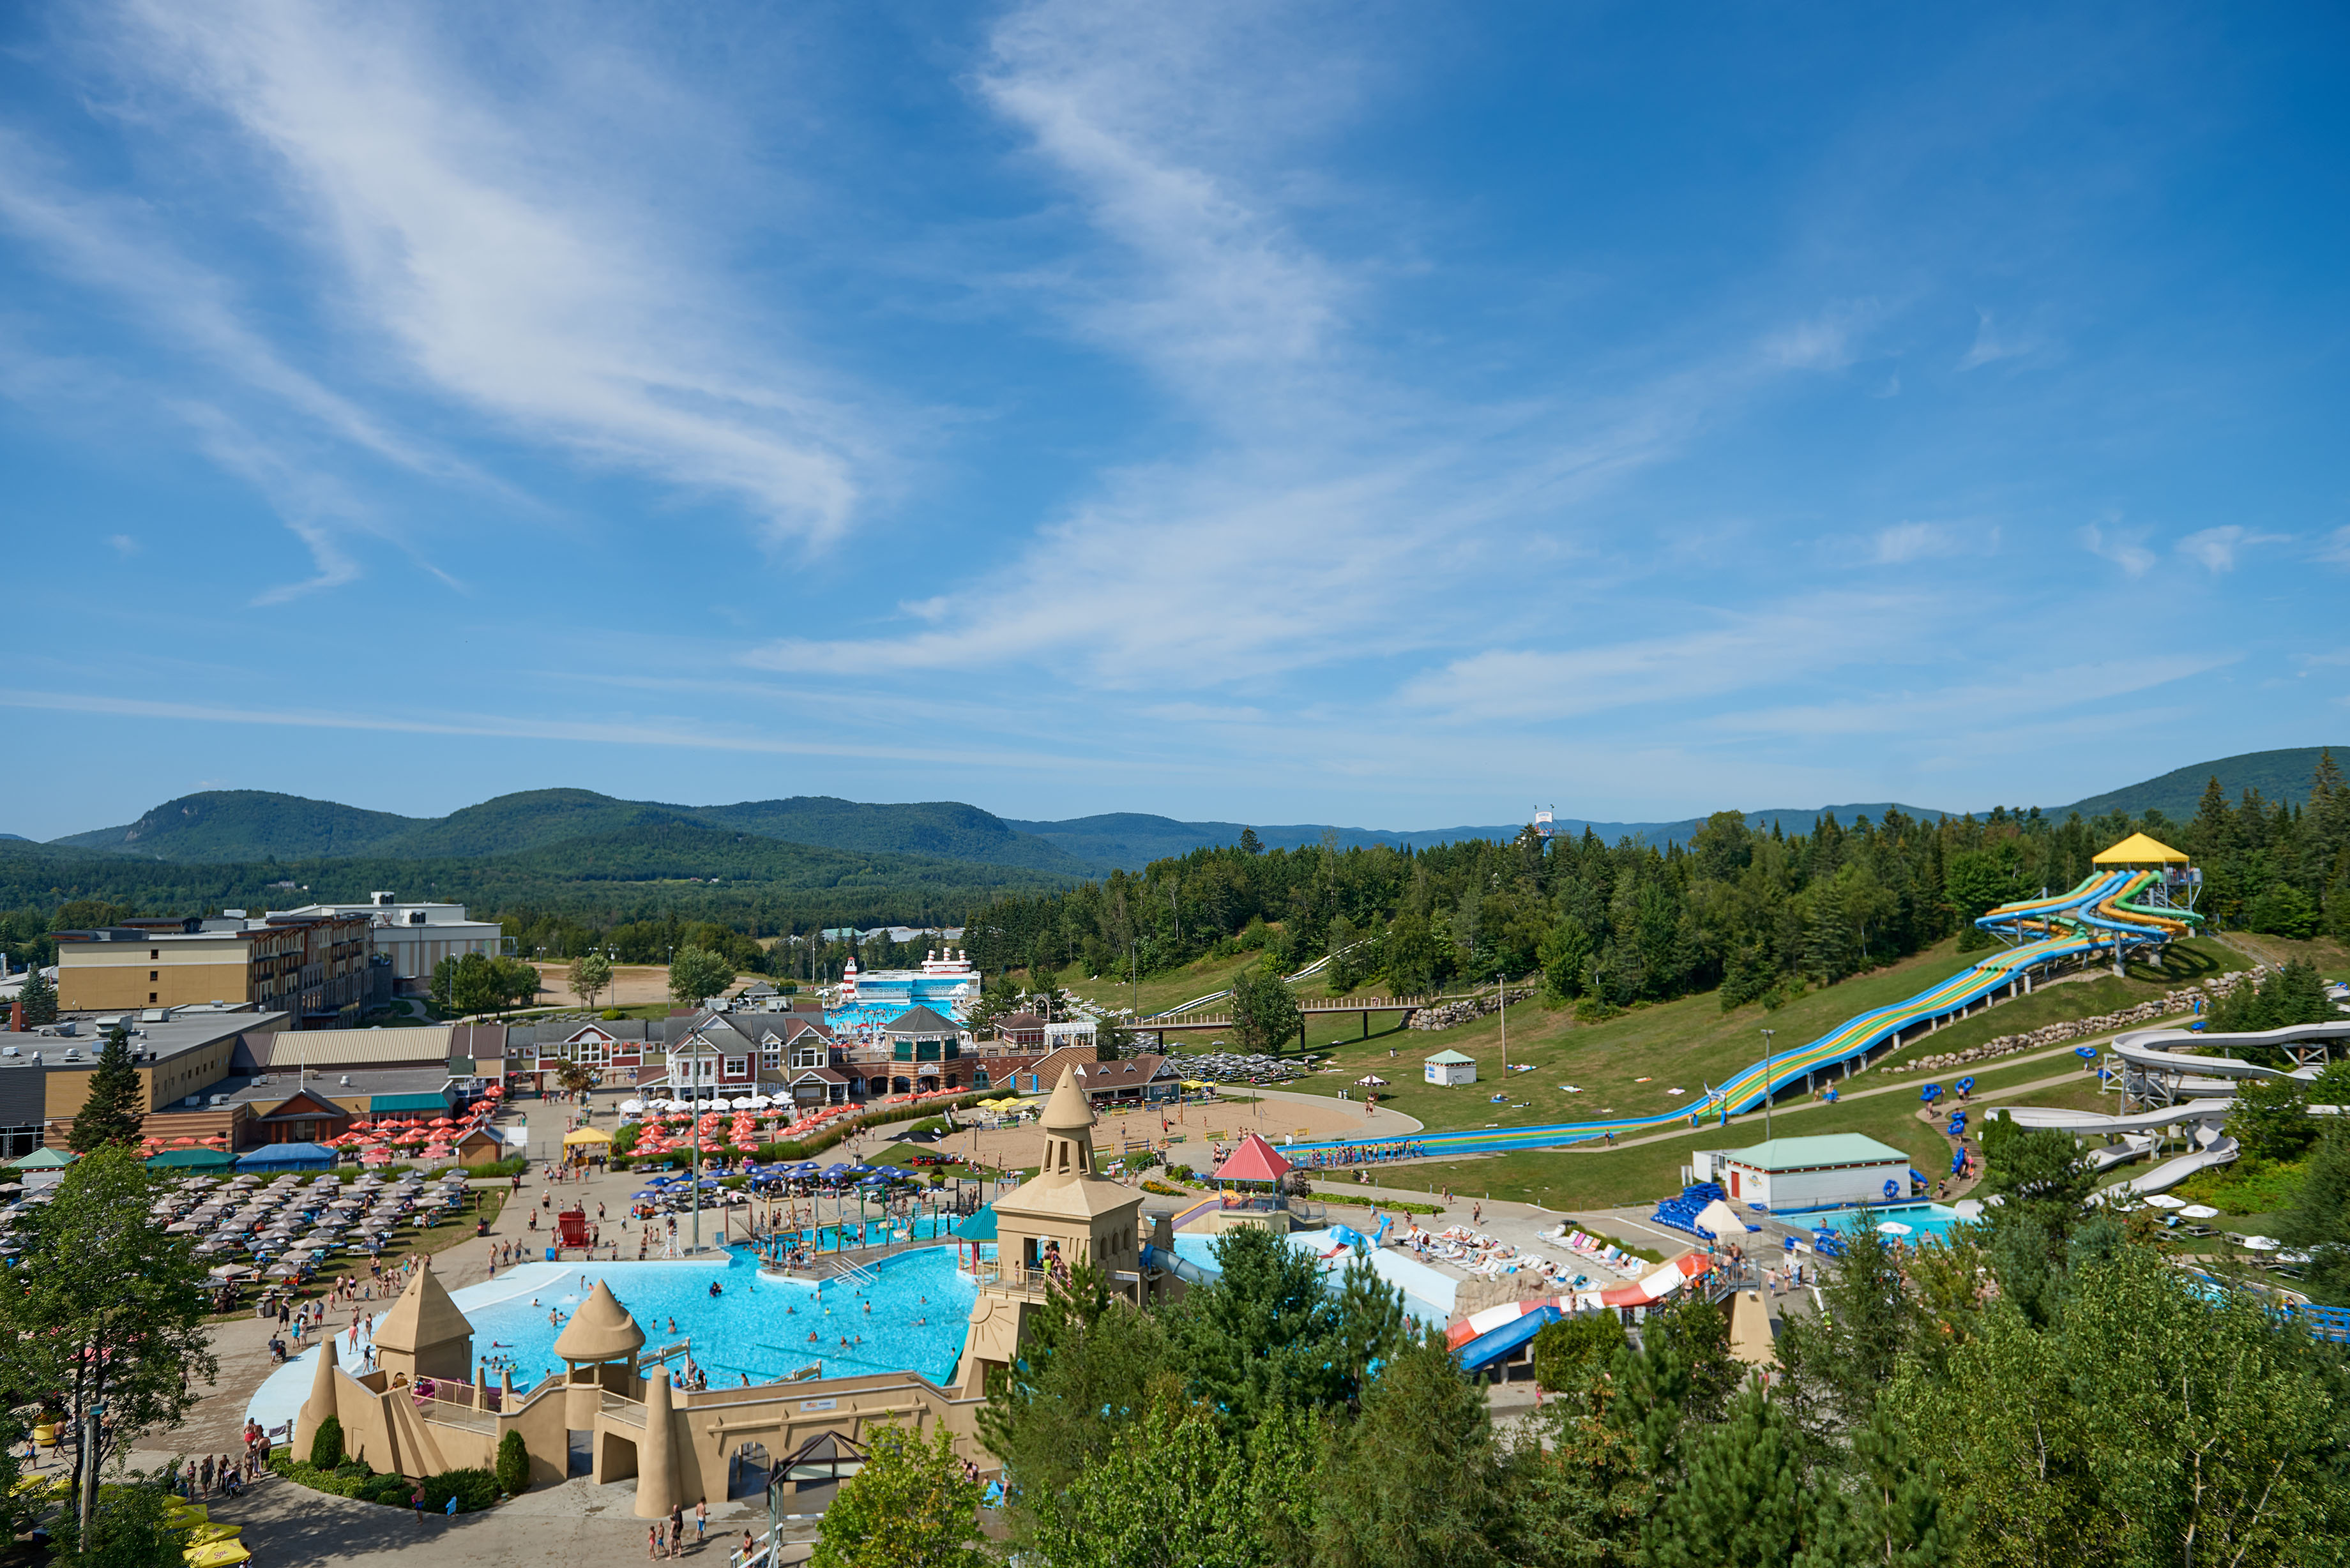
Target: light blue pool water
<point>755,1327</point>
<point>1926,1221</point>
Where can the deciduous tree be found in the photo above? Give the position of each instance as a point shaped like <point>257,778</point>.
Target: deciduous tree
<point>908,1507</point>
<point>591,973</point>
<point>696,974</point>
<point>104,1308</point>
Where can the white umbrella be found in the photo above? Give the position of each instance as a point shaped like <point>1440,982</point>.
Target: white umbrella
<point>2262,1243</point>
<point>2165,1200</point>
<point>630,1107</point>
<point>2198,1211</point>
<point>1892,1228</point>
<point>230,1271</point>
<point>1372,1079</point>
<point>2290,1256</point>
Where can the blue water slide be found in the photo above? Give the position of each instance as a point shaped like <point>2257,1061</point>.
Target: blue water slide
<point>1490,1346</point>
<point>1183,1267</point>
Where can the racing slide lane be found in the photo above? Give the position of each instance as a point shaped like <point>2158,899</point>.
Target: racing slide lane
<point>1745,1089</point>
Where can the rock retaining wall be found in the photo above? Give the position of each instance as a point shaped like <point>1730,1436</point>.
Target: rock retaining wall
<point>1444,1015</point>
<point>2163,1006</point>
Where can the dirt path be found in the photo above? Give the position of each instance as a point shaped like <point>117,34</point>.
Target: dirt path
<point>634,984</point>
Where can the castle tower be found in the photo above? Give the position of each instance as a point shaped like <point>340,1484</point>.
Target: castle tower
<point>320,1405</point>
<point>425,1334</point>
<point>598,1347</point>
<point>1066,1215</point>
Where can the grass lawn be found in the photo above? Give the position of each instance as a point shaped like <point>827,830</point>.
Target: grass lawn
<point>2332,959</point>
<point>453,1231</point>
<point>1644,1172</point>
<point>1688,1043</point>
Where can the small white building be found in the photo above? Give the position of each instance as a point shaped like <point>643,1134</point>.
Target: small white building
<point>1834,1170</point>
<point>1447,1068</point>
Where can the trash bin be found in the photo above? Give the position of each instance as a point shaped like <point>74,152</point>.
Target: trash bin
<point>481,1227</point>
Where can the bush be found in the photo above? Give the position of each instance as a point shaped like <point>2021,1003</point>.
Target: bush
<point>610,1014</point>
<point>326,1445</point>
<point>1568,1351</point>
<point>1163,1191</point>
<point>513,1464</point>
<point>474,1489</point>
<point>501,1168</point>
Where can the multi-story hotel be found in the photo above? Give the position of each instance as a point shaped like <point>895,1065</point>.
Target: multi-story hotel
<point>313,966</point>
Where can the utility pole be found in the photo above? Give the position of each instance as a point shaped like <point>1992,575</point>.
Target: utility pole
<point>1502,989</point>
<point>1769,1058</point>
<point>89,1465</point>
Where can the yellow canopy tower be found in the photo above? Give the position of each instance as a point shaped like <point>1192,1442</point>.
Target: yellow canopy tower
<point>2138,850</point>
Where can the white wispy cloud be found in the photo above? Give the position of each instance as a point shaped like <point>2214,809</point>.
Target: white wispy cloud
<point>1828,341</point>
<point>524,287</point>
<point>2215,549</point>
<point>1902,543</point>
<point>2125,549</point>
<point>1975,706</point>
<point>1329,492</point>
<point>1991,344</point>
<point>1721,652</point>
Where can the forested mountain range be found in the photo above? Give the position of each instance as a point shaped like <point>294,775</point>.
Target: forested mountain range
<point>229,826</point>
<point>1755,913</point>
<point>1752,902</point>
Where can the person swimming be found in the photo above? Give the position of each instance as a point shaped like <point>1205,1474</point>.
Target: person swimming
<point>713,1287</point>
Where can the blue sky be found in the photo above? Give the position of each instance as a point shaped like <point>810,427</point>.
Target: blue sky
<point>1395,415</point>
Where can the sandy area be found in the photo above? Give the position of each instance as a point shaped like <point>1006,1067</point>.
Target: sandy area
<point>633,985</point>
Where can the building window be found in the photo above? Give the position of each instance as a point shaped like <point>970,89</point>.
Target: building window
<point>771,1059</point>
<point>153,975</point>
<point>738,1066</point>
<point>151,999</point>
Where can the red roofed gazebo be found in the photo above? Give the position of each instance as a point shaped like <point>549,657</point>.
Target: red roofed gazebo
<point>1255,1161</point>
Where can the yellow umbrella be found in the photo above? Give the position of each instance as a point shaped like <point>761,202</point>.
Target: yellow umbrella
<point>205,1534</point>
<point>586,1135</point>
<point>217,1555</point>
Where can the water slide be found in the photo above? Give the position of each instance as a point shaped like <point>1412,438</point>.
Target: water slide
<point>1494,1343</point>
<point>2150,1064</point>
<point>2104,914</point>
<point>1183,1267</point>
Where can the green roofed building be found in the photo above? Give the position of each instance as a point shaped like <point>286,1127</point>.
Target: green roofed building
<point>1447,1068</point>
<point>1833,1170</point>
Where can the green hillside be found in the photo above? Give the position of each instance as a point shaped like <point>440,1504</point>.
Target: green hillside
<point>946,828</point>
<point>2281,775</point>
<point>677,868</point>
<point>248,825</point>
<point>225,826</point>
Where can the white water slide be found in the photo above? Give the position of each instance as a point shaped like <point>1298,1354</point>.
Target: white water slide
<point>2147,1054</point>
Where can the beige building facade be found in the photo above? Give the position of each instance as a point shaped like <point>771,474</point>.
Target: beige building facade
<point>312,967</point>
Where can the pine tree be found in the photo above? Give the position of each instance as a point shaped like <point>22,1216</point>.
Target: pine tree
<point>116,1103</point>
<point>40,999</point>
<point>1742,1501</point>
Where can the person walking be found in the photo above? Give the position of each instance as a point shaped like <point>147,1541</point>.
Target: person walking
<point>652,1543</point>
<point>701,1519</point>
<point>416,1501</point>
